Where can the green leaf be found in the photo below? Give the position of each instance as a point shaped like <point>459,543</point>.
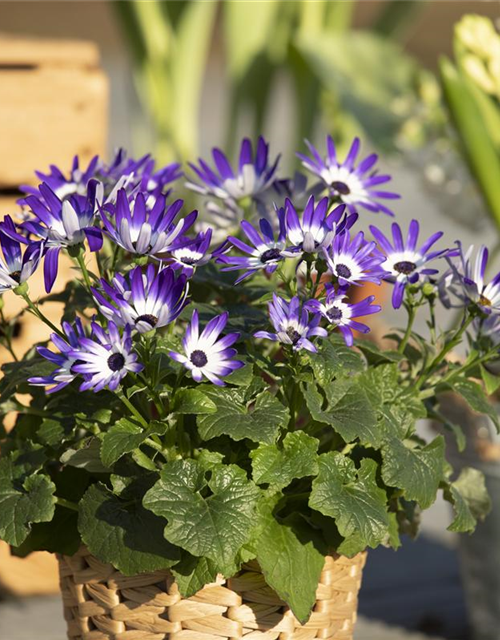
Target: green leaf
<point>60,535</point>
<point>477,144</point>
<point>470,500</point>
<point>247,33</point>
<point>352,497</point>
<point>375,355</point>
<point>26,497</point>
<point>87,456</point>
<point>55,431</point>
<point>334,358</point>
<point>277,467</point>
<point>120,531</point>
<point>193,401</point>
<point>491,381</point>
<point>347,410</point>
<point>291,557</point>
<point>475,397</point>
<point>192,574</point>
<point>16,374</point>
<point>259,420</point>
<point>215,526</point>
<point>416,471</point>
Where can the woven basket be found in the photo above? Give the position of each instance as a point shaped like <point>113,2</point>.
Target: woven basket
<point>102,604</point>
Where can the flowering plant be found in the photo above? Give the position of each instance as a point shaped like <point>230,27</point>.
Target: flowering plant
<point>183,416</point>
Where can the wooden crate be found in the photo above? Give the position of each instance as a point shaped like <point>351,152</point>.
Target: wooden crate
<point>53,105</point>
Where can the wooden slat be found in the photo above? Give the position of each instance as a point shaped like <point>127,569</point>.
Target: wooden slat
<point>16,51</point>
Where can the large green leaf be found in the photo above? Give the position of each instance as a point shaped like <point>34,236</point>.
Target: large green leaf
<point>26,497</point>
<point>470,500</point>
<point>475,397</point>
<point>215,526</point>
<point>193,401</point>
<point>121,531</point>
<point>291,556</point>
<point>345,407</point>
<point>278,466</point>
<point>258,420</point>
<point>416,471</point>
<point>352,497</point>
<point>125,436</point>
<point>333,359</point>
<point>192,574</point>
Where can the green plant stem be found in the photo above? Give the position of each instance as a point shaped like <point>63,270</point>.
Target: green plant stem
<point>411,319</point>
<point>81,262</point>
<point>67,504</point>
<point>7,336</point>
<point>132,409</point>
<point>36,311</point>
<point>448,346</point>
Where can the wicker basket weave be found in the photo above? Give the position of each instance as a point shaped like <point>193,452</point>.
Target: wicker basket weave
<point>102,604</point>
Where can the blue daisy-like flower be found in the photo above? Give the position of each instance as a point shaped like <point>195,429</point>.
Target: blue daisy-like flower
<point>465,283</point>
<point>145,300</point>
<point>353,260</point>
<point>353,185</point>
<point>205,355</point>
<point>17,266</point>
<point>266,252</point>
<point>63,374</point>
<point>252,177</point>
<point>62,224</point>
<point>105,358</point>
<point>404,263</point>
<point>142,230</point>
<point>342,314</point>
<point>294,325</point>
<point>316,228</point>
<point>192,253</point>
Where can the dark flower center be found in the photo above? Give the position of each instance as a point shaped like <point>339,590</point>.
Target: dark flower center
<point>341,187</point>
<point>293,334</point>
<point>270,254</point>
<point>334,314</point>
<point>405,266</point>
<point>483,300</point>
<point>188,260</point>
<point>199,358</point>
<point>149,318</point>
<point>16,275</point>
<point>116,361</point>
<point>343,271</point>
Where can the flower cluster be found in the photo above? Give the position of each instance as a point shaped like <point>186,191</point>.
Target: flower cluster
<point>213,360</point>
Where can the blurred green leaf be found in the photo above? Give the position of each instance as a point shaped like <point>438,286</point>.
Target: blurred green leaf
<point>478,148</point>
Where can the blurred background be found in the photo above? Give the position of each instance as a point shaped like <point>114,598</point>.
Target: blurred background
<point>418,80</point>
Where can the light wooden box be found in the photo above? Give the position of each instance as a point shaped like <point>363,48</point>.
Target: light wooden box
<point>53,105</point>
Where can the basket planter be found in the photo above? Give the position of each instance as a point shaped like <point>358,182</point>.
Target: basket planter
<point>102,604</point>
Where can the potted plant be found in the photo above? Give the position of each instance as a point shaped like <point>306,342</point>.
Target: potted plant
<point>205,445</point>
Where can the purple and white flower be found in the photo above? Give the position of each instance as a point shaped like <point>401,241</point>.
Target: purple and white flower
<point>405,264</point>
<point>294,325</point>
<point>465,282</point>
<point>355,186</point>
<point>353,261</point>
<point>253,176</point>
<point>342,314</point>
<point>63,374</point>
<point>16,267</point>
<point>266,252</point>
<point>105,360</point>
<point>144,300</point>
<point>62,224</point>
<point>205,355</point>
<point>192,253</point>
<point>144,231</point>
<point>316,229</point>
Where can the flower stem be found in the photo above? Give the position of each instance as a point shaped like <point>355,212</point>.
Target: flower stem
<point>67,504</point>
<point>36,311</point>
<point>81,262</point>
<point>411,319</point>
<point>132,409</point>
